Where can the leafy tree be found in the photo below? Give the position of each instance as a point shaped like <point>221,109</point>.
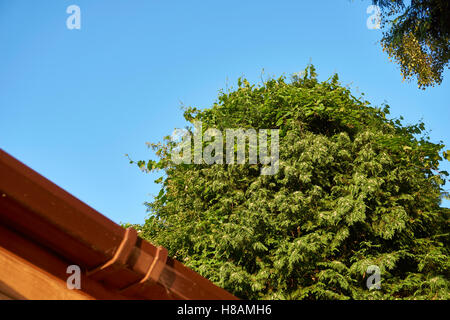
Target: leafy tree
<point>417,37</point>
<point>353,189</point>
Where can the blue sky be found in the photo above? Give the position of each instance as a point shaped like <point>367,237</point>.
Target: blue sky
<point>73,102</point>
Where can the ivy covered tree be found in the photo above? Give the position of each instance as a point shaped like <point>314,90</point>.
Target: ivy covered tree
<point>354,189</point>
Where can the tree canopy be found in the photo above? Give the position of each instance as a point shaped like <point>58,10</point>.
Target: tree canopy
<point>354,189</point>
<point>417,37</point>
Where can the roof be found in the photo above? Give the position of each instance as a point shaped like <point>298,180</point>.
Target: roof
<point>44,229</point>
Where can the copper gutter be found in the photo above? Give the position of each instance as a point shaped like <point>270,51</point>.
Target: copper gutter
<point>51,229</point>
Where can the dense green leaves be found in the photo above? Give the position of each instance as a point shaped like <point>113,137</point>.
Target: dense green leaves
<point>354,189</point>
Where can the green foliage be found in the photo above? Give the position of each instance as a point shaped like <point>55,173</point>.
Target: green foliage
<point>417,37</point>
<point>354,189</point>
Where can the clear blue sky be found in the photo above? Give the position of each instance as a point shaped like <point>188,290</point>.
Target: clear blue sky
<point>73,102</point>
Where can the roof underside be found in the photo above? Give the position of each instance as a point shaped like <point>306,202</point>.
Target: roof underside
<point>46,226</point>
